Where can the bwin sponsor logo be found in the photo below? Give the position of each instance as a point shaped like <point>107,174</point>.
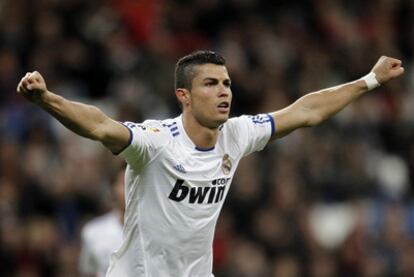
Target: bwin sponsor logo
<point>199,195</point>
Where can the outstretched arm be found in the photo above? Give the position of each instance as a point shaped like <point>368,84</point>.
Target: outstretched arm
<point>85,120</point>
<point>313,108</point>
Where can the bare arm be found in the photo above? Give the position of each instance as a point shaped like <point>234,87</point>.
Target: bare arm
<point>313,108</point>
<point>85,120</point>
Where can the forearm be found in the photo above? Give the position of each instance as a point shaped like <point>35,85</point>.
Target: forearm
<point>82,119</point>
<point>315,107</point>
<point>325,103</point>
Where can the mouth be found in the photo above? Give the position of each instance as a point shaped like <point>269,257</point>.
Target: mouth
<point>223,107</point>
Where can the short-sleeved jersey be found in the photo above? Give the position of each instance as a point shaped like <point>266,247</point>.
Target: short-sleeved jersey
<point>100,238</point>
<point>174,192</point>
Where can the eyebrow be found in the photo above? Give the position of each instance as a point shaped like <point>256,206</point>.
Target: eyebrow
<point>227,80</point>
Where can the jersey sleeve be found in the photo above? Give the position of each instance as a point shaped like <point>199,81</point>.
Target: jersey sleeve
<point>146,141</point>
<point>87,263</point>
<point>252,133</point>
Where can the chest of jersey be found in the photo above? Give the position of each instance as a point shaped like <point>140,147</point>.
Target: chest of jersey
<point>195,177</point>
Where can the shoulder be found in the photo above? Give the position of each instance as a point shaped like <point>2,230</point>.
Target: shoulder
<point>250,132</point>
<point>151,126</point>
<point>163,128</point>
<point>154,133</point>
<point>232,131</point>
<point>255,119</point>
<point>234,124</point>
<point>251,122</point>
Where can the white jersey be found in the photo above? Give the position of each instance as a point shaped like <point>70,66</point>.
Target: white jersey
<point>100,238</point>
<point>174,192</point>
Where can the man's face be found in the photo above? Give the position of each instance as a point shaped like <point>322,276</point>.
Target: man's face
<point>210,95</point>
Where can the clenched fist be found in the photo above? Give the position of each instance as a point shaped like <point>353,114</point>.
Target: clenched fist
<point>387,68</point>
<point>32,86</point>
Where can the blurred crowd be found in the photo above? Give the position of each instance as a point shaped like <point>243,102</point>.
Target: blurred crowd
<point>333,200</point>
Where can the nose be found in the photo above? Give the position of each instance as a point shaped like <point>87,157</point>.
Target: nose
<point>224,91</point>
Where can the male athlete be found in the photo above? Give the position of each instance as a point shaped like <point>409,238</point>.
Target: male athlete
<point>103,235</point>
<point>179,170</point>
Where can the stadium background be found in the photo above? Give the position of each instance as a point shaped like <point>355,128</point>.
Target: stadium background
<point>334,200</point>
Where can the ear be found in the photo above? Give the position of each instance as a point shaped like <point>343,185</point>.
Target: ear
<point>183,96</point>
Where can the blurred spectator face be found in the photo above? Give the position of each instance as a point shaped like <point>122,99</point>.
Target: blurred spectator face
<point>323,265</point>
<point>11,235</point>
<point>9,66</point>
<point>286,266</point>
<point>373,266</point>
<point>394,230</point>
<point>42,234</point>
<point>286,194</point>
<point>248,260</point>
<point>8,196</point>
<point>68,260</point>
<point>405,265</point>
<point>272,229</point>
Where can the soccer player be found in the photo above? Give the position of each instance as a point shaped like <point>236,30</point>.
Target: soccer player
<point>180,169</point>
<point>103,235</point>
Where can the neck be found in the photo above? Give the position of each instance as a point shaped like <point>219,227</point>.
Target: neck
<point>202,136</point>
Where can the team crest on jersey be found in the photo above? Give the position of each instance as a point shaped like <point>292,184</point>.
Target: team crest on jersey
<point>226,164</point>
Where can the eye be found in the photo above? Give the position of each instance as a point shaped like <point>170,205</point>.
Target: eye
<point>227,84</point>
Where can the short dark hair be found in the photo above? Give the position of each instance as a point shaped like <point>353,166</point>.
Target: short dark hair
<point>184,68</point>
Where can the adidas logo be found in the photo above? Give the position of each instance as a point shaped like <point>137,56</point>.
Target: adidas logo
<point>180,168</point>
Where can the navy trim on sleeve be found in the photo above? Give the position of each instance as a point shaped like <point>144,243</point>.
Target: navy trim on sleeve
<point>272,122</point>
<point>131,136</point>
